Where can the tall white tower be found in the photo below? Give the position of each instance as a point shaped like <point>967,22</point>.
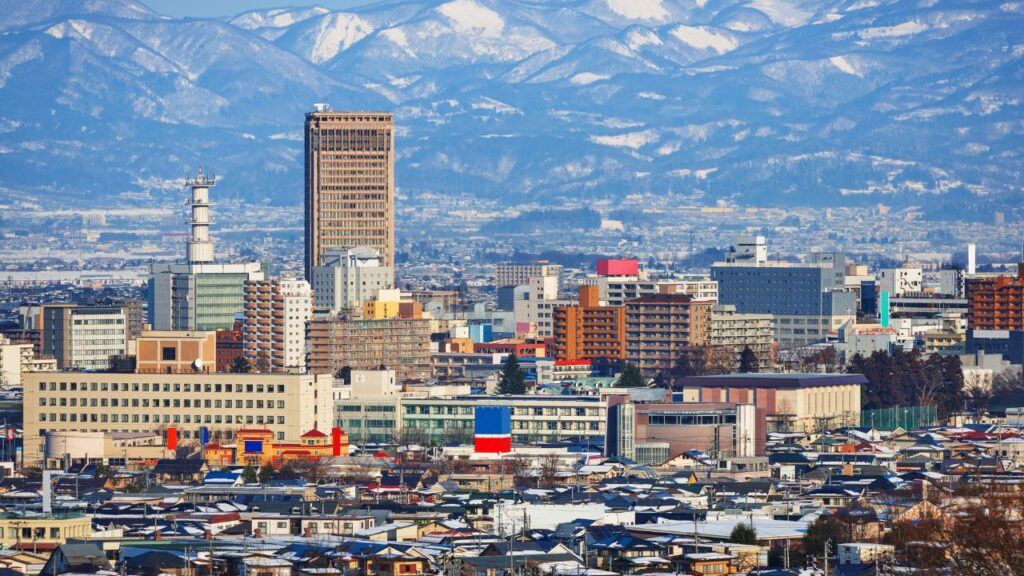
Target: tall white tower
<point>200,247</point>
<point>972,259</point>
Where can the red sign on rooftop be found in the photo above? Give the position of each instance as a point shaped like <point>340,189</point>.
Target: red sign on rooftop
<point>608,267</point>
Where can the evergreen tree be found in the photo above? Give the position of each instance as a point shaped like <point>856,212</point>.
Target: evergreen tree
<point>632,378</point>
<point>748,361</point>
<point>743,533</point>
<point>241,365</point>
<point>513,378</point>
<point>265,473</point>
<point>249,474</point>
<point>263,363</point>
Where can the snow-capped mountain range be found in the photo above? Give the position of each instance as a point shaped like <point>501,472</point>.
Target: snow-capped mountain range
<point>764,102</point>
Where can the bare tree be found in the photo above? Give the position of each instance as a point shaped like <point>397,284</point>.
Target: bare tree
<point>548,469</point>
<point>312,469</point>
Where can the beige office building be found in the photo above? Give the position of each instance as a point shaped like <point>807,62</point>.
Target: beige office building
<point>287,404</point>
<point>350,183</point>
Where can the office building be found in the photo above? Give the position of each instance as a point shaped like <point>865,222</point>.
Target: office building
<point>791,402</point>
<point>652,431</point>
<point>740,331</point>
<point>274,329</point>
<point>422,419</point>
<point>198,294</point>
<point>83,337</point>
<point>808,300</point>
<point>398,344</point>
<point>588,330</point>
<point>350,184</point>
<point>996,303</point>
<point>347,278</point>
<point>506,275</point>
<point>662,327</point>
<point>287,404</point>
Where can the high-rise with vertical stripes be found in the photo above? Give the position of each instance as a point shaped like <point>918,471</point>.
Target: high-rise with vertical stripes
<point>350,183</point>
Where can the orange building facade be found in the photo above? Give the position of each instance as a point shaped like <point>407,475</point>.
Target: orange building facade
<point>174,352</point>
<point>589,331</point>
<point>257,447</point>
<point>996,303</point>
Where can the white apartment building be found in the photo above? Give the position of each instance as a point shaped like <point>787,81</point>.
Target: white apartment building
<point>17,359</point>
<point>84,337</point>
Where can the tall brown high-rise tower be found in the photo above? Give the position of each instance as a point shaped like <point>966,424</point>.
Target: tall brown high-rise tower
<point>350,183</point>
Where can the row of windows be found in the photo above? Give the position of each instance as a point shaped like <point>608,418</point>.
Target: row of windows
<point>157,403</point>
<point>165,387</point>
<point>157,418</point>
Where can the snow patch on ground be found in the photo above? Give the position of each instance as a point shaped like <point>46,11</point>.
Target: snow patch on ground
<point>781,12</point>
<point>496,106</point>
<point>639,9</point>
<point>336,34</point>
<point>702,38</point>
<point>584,78</point>
<point>468,16</point>
<point>637,39</point>
<point>650,96</point>
<point>398,38</point>
<point>631,140</point>
<point>844,65</point>
<point>904,29</point>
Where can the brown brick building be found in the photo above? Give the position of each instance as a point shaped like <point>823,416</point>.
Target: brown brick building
<point>589,331</point>
<point>662,327</point>
<point>996,303</point>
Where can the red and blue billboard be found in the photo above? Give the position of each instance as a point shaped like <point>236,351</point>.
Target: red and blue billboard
<point>492,429</point>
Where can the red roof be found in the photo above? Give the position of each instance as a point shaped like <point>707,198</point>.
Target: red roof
<point>314,433</point>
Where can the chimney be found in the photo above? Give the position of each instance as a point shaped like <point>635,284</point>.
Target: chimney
<point>257,533</point>
<point>156,535</point>
<point>305,532</point>
<point>207,535</point>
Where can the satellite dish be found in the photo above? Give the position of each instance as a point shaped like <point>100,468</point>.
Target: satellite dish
<point>197,365</point>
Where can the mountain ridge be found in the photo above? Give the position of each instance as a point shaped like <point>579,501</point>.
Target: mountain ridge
<point>785,103</point>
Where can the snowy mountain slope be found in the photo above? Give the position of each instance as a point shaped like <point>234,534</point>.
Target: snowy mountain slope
<point>793,101</point>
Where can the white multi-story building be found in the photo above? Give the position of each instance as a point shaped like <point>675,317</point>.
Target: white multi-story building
<point>17,359</point>
<point>84,337</point>
<point>535,306</point>
<point>901,281</point>
<point>348,278</point>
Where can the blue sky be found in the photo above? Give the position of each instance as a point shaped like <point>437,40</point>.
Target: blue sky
<point>208,8</point>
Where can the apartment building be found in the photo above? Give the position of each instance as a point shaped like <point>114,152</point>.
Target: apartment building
<point>739,331</point>
<point>17,359</point>
<point>274,330</point>
<point>399,344</point>
<point>287,404</point>
<point>589,330</point>
<point>661,328</point>
<point>506,275</point>
<point>996,303</point>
